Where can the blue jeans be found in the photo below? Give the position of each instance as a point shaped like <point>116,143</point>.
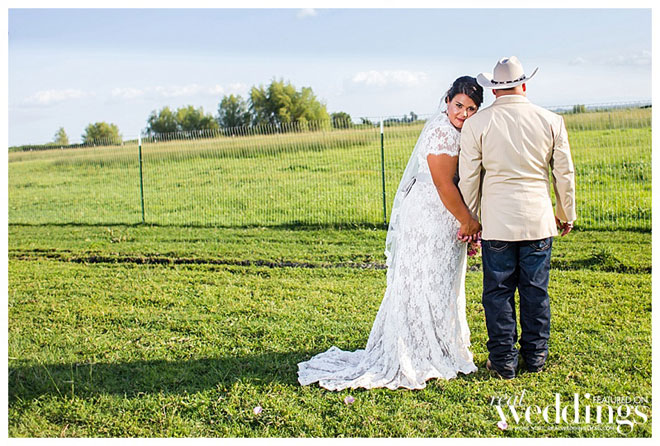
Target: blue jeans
<point>524,265</point>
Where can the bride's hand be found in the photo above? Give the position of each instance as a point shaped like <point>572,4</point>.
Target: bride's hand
<point>468,230</point>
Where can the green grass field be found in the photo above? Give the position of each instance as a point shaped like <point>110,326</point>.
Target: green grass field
<point>179,331</point>
<point>261,251</point>
<point>330,178</point>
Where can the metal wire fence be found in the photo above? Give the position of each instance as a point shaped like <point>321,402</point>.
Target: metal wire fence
<point>299,174</point>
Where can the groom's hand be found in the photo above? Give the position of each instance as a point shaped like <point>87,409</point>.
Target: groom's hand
<point>564,227</point>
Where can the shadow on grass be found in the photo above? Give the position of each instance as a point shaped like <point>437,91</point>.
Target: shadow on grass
<point>87,380</point>
<point>602,259</point>
<point>151,376</point>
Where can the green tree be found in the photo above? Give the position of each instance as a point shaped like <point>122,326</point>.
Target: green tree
<point>579,108</point>
<point>101,133</point>
<point>162,121</point>
<point>281,103</point>
<point>61,138</point>
<point>190,119</point>
<point>341,120</point>
<point>233,112</point>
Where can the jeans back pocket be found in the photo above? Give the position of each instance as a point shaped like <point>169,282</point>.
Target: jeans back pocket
<point>496,245</point>
<point>541,245</point>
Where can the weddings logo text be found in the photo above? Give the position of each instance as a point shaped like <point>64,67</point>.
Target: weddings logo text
<point>582,412</point>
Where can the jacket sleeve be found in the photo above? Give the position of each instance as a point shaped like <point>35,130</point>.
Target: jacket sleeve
<point>469,167</point>
<point>563,175</point>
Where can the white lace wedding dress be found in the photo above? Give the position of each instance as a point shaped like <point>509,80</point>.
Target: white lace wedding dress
<point>420,331</point>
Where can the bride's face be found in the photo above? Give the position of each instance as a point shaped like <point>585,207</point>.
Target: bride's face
<point>460,108</point>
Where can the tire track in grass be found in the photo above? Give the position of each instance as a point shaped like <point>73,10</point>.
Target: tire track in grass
<point>159,259</point>
<point>594,262</point>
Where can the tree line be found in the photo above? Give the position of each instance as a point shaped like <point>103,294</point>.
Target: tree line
<point>275,107</point>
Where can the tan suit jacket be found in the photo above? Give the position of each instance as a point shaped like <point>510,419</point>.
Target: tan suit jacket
<point>507,151</point>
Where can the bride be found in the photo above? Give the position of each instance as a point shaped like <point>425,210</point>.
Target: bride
<point>420,331</point>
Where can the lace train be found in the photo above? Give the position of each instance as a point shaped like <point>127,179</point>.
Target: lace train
<point>420,331</point>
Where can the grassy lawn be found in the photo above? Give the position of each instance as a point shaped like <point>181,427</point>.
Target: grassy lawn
<point>331,177</point>
<point>177,331</point>
<point>177,328</point>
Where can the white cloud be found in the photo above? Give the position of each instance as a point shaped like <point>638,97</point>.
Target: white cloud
<point>192,92</point>
<point>127,93</point>
<point>306,12</point>
<point>577,61</point>
<point>215,89</point>
<point>174,91</point>
<point>48,97</point>
<point>634,58</point>
<point>389,78</point>
<point>179,91</point>
<point>237,87</point>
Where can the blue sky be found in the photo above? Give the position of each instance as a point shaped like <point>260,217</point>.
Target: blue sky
<point>70,67</point>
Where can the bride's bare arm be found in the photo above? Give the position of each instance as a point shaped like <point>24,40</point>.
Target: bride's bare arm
<point>443,167</point>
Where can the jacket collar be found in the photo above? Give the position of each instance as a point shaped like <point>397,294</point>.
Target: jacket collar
<point>511,99</point>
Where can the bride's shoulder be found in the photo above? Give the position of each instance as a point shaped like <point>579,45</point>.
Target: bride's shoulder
<point>441,137</point>
<point>442,127</point>
<point>441,123</point>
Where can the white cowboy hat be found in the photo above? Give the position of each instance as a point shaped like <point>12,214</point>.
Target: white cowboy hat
<point>508,73</point>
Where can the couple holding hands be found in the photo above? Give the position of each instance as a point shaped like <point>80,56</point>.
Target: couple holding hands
<point>496,166</point>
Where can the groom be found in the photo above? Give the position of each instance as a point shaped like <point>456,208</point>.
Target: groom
<point>507,150</point>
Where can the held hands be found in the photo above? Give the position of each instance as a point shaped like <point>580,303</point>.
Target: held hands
<point>470,231</point>
<point>564,227</point>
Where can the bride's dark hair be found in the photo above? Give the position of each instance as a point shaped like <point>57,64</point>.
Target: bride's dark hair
<point>468,86</point>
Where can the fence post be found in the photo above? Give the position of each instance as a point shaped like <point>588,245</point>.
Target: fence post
<point>141,185</point>
<point>382,170</point>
